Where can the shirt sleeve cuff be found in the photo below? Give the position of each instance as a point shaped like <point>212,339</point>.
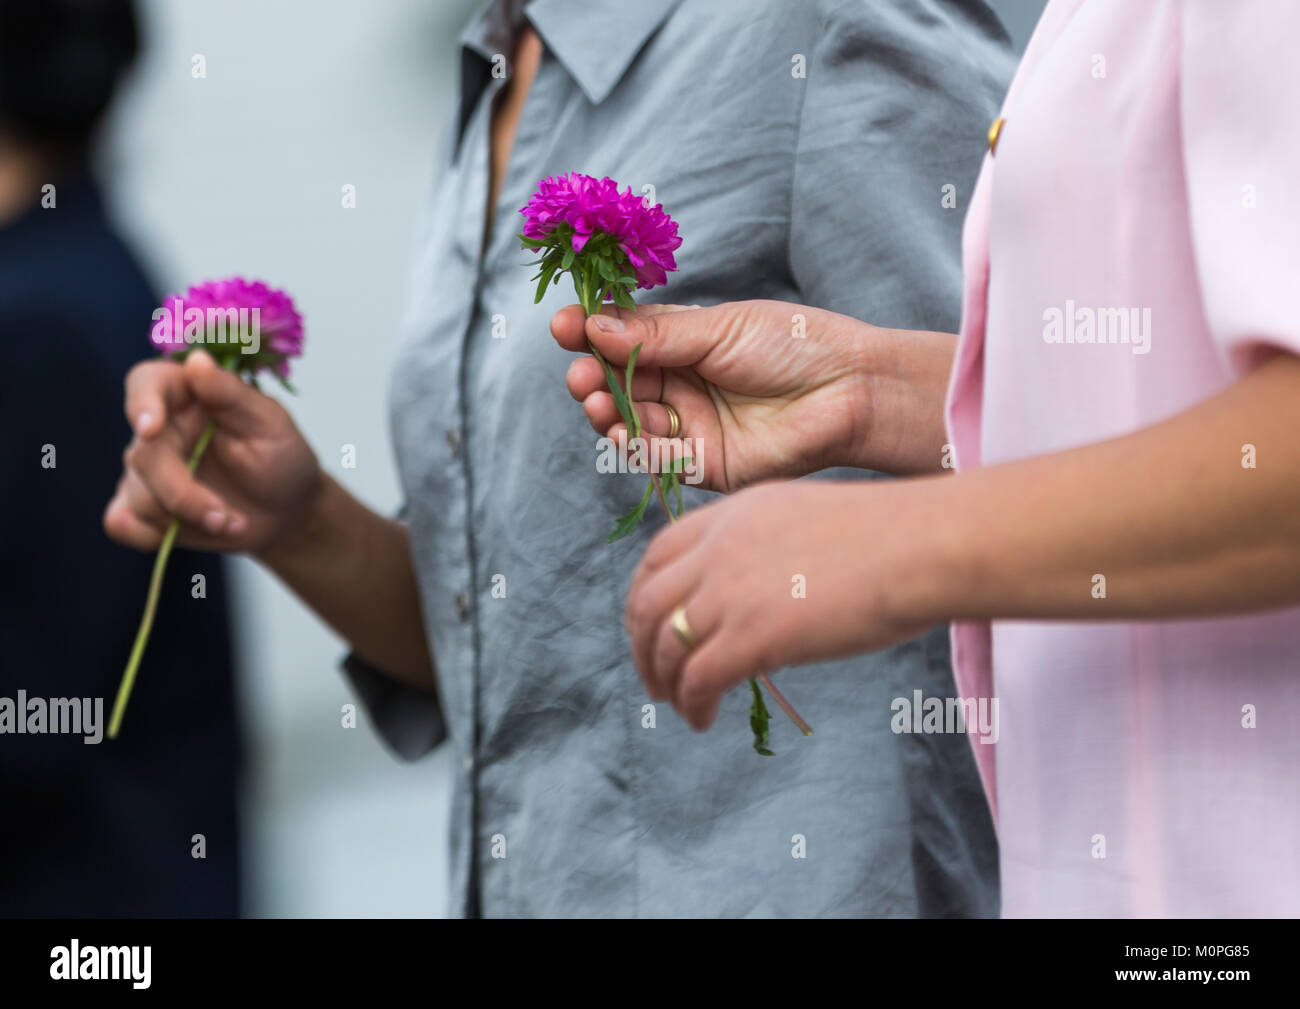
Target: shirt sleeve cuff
<point>410,721</point>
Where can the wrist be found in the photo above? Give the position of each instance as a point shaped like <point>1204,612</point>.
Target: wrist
<point>926,564</point>
<point>899,383</point>
<point>307,529</point>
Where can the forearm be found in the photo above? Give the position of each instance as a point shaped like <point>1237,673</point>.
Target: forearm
<point>1168,516</point>
<point>354,569</point>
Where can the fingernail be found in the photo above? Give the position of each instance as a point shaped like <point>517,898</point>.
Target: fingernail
<point>143,422</point>
<point>609,323</point>
<point>214,521</point>
<point>236,526</point>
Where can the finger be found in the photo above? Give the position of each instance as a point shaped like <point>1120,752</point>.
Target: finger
<point>235,405</point>
<point>675,338</point>
<point>654,419</point>
<point>155,391</point>
<point>184,428</point>
<point>725,660</point>
<point>586,376</point>
<point>568,324</point>
<point>602,413</point>
<point>144,506</point>
<point>649,606</point>
<point>674,540</point>
<point>165,474</point>
<point>671,652</point>
<point>122,525</point>
<point>567,327</point>
<point>650,601</point>
<point>707,673</point>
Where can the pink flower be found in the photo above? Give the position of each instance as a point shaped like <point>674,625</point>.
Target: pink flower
<point>243,324</point>
<point>646,235</point>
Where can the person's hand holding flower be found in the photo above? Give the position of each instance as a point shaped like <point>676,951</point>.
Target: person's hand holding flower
<point>766,389</point>
<point>222,334</point>
<point>612,242</point>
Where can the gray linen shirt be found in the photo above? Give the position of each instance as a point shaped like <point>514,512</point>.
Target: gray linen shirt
<point>824,187</point>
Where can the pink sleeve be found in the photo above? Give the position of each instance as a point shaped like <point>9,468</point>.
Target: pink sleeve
<point>1240,104</point>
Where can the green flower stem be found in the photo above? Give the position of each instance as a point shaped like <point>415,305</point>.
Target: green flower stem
<point>591,296</point>
<point>151,601</point>
<point>763,678</point>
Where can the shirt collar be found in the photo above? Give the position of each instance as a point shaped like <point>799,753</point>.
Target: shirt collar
<point>594,40</point>
<point>597,40</point>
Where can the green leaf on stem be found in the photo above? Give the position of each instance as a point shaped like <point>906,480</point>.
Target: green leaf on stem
<point>620,400</point>
<point>632,519</point>
<point>544,280</point>
<point>673,482</point>
<point>671,486</point>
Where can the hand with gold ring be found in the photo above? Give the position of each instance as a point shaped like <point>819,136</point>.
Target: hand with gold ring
<point>774,576</point>
<point>764,389</point>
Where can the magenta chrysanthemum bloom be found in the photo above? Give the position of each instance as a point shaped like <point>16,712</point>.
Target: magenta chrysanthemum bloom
<point>580,206</point>
<point>245,325</point>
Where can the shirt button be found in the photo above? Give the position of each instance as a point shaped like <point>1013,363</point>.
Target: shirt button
<point>462,605</point>
<point>453,442</point>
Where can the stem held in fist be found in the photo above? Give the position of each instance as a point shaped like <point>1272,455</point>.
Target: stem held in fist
<point>758,715</point>
<point>151,601</point>
<point>245,327</point>
<point>611,243</point>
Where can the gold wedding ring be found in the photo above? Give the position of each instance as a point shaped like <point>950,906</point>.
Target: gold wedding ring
<point>682,628</point>
<point>674,421</point>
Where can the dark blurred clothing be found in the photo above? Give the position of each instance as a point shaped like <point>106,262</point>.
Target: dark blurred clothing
<point>101,829</point>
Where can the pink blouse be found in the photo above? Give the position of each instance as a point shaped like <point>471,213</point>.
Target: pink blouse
<point>1130,249</point>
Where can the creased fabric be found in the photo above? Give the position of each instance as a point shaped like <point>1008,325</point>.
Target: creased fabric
<point>826,189</point>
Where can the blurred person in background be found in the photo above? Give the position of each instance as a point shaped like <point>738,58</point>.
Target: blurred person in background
<point>758,123</point>
<point>102,829</point>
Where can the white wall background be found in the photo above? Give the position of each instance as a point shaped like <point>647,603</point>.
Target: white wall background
<point>241,172</point>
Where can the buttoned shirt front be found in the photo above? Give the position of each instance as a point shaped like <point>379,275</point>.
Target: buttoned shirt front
<point>805,150</point>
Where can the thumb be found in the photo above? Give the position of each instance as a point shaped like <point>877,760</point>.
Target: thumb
<point>234,404</point>
<point>671,336</point>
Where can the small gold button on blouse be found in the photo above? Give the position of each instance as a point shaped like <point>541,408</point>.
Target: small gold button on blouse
<point>995,131</point>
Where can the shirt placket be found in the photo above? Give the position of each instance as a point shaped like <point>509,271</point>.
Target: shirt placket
<point>470,232</point>
<point>501,257</point>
